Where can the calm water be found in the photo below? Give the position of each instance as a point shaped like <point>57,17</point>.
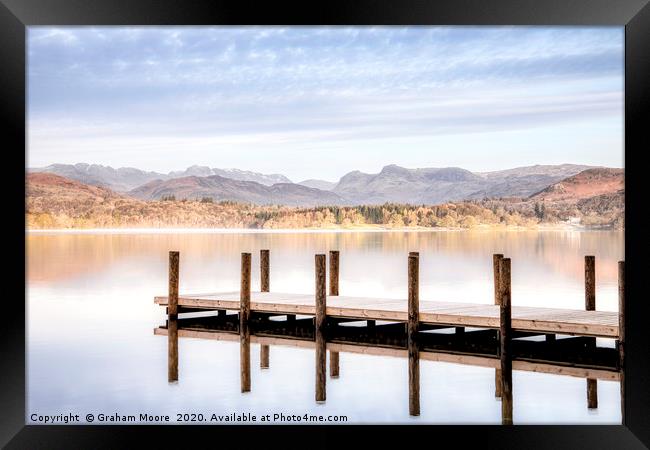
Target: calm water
<point>91,347</point>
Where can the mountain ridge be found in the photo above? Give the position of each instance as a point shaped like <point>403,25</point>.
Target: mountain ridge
<point>586,184</point>
<point>392,183</point>
<point>124,179</point>
<point>218,188</point>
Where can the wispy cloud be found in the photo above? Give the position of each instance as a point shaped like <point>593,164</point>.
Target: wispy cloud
<point>225,90</point>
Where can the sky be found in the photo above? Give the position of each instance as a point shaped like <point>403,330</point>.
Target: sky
<point>318,102</point>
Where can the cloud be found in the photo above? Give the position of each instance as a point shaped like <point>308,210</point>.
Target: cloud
<point>240,86</point>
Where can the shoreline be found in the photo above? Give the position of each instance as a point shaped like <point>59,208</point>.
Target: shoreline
<point>560,227</point>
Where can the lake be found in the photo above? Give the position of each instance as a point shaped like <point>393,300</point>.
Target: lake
<point>91,316</point>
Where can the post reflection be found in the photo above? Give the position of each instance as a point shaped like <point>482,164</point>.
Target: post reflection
<point>413,355</point>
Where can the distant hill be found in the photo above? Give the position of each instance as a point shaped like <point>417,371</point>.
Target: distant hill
<point>419,186</point>
<point>127,178</point>
<point>47,184</point>
<point>234,174</point>
<point>319,184</point>
<point>586,184</point>
<point>120,180</point>
<point>525,181</point>
<point>219,188</point>
<point>593,198</point>
<point>437,185</point>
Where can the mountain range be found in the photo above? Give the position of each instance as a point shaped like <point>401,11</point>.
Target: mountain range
<point>124,179</point>
<point>438,185</point>
<point>218,188</point>
<point>392,184</point>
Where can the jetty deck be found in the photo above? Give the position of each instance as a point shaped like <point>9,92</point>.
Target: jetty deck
<point>503,326</point>
<point>524,318</point>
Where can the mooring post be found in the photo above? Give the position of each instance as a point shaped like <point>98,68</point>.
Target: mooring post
<point>334,291</point>
<point>505,341</point>
<point>621,334</point>
<point>496,261</point>
<point>172,318</point>
<point>334,364</point>
<point>244,325</point>
<point>264,356</point>
<point>590,283</point>
<point>590,305</point>
<point>319,328</point>
<point>412,331</point>
<point>265,282</point>
<point>334,272</point>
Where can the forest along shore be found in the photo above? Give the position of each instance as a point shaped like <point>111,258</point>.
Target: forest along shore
<point>56,202</point>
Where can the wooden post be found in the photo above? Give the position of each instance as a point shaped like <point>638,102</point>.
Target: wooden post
<point>264,356</point>
<point>621,334</point>
<point>590,283</point>
<point>172,318</point>
<point>244,325</point>
<point>334,290</point>
<point>334,364</point>
<point>592,393</point>
<point>590,305</point>
<point>505,341</point>
<point>334,272</point>
<point>319,328</point>
<point>265,282</point>
<point>496,260</point>
<point>413,327</point>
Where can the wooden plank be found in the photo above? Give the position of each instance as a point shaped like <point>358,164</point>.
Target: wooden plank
<point>542,320</point>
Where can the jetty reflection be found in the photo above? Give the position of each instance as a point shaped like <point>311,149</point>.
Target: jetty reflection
<point>568,356</point>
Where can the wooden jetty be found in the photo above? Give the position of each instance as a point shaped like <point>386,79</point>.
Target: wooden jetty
<point>408,319</point>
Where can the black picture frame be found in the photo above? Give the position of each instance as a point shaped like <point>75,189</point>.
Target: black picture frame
<point>16,15</point>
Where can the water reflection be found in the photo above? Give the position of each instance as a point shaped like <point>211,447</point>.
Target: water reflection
<point>90,316</point>
<point>370,262</point>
